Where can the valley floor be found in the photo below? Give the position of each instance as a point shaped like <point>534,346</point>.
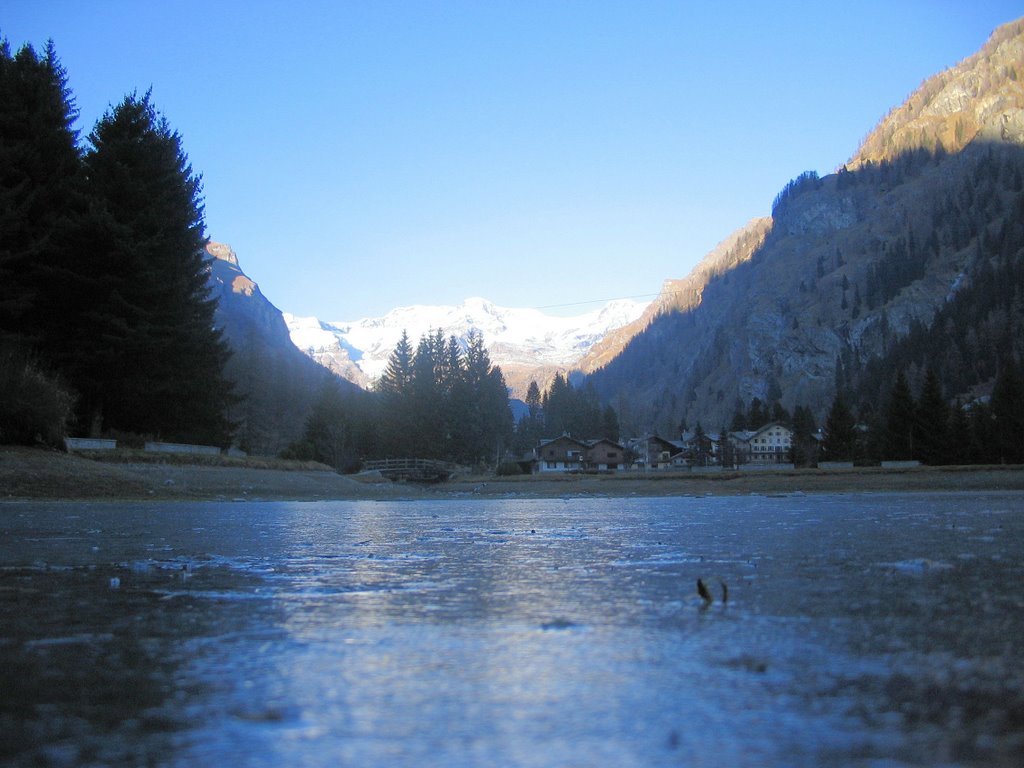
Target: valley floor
<point>37,474</point>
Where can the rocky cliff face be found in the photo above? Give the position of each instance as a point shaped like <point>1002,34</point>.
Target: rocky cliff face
<point>276,382</point>
<point>845,265</point>
<point>243,312</point>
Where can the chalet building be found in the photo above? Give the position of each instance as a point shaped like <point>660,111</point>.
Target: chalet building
<point>605,455</point>
<point>739,446</point>
<point>653,452</point>
<point>771,444</point>
<point>562,454</point>
<point>567,454</point>
<point>700,450</point>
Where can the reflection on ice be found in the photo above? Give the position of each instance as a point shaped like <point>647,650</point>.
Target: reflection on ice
<point>857,630</point>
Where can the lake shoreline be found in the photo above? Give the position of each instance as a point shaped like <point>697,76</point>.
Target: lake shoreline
<point>30,474</point>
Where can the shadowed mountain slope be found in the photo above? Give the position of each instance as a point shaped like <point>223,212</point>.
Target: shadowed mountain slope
<point>847,265</point>
<point>277,383</point>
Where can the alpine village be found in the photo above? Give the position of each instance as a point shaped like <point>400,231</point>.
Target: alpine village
<point>875,318</point>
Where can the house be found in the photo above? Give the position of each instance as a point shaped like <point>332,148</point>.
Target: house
<point>561,454</point>
<point>605,454</point>
<point>738,447</point>
<point>567,454</point>
<point>701,449</point>
<point>653,452</point>
<point>771,444</point>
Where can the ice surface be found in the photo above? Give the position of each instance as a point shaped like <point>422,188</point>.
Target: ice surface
<point>860,630</point>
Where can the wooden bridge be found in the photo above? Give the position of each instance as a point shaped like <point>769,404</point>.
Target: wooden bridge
<point>415,470</point>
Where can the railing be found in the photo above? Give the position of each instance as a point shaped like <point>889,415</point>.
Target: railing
<point>420,470</point>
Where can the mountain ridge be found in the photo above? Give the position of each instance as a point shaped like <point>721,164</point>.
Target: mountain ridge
<point>979,97</point>
<point>846,263</point>
<point>526,343</point>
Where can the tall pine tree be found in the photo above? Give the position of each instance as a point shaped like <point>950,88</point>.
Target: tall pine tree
<point>1008,413</point>
<point>931,436</point>
<point>154,360</point>
<point>840,435</point>
<point>487,424</point>
<point>39,169</point>
<point>899,421</point>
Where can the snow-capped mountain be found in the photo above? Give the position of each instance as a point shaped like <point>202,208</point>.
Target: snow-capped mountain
<point>527,343</point>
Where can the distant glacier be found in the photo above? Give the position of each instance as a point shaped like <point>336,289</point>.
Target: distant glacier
<point>517,339</point>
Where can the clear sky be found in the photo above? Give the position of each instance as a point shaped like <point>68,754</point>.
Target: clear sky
<point>361,156</point>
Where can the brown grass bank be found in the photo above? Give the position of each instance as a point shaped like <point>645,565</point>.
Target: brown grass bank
<point>36,474</point>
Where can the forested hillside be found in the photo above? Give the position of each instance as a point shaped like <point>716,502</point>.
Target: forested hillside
<point>852,263</point>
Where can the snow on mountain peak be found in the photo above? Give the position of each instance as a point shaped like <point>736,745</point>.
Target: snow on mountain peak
<point>513,337</point>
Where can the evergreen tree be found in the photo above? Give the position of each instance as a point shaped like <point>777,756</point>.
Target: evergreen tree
<point>39,174</point>
<point>441,402</point>
<point>395,391</point>
<point>397,378</point>
<point>804,444</point>
<point>780,414</point>
<point>425,437</point>
<point>586,417</point>
<point>899,421</point>
<point>958,432</point>
<point>530,429</point>
<point>701,446</point>
<point>757,416</point>
<point>1008,414</point>
<point>149,359</point>
<point>840,436</point>
<point>983,446</point>
<point>557,407</point>
<point>449,362</point>
<point>739,420</point>
<point>533,401</point>
<point>610,423</point>
<point>450,376</point>
<point>931,438</point>
<point>332,429</point>
<point>487,422</point>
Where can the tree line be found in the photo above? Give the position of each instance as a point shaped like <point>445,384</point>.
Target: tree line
<point>929,429</point>
<point>440,400</point>
<point>564,409</point>
<point>444,399</point>
<point>105,320</point>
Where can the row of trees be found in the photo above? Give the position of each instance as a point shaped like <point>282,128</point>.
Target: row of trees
<point>102,264</point>
<point>564,409</point>
<point>930,430</point>
<point>441,400</point>
<point>444,401</point>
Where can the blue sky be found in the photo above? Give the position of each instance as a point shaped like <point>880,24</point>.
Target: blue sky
<point>361,156</point>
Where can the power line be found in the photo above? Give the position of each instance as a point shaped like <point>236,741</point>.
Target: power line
<point>605,301</point>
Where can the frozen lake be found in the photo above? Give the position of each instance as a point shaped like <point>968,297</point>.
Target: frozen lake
<point>861,630</point>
